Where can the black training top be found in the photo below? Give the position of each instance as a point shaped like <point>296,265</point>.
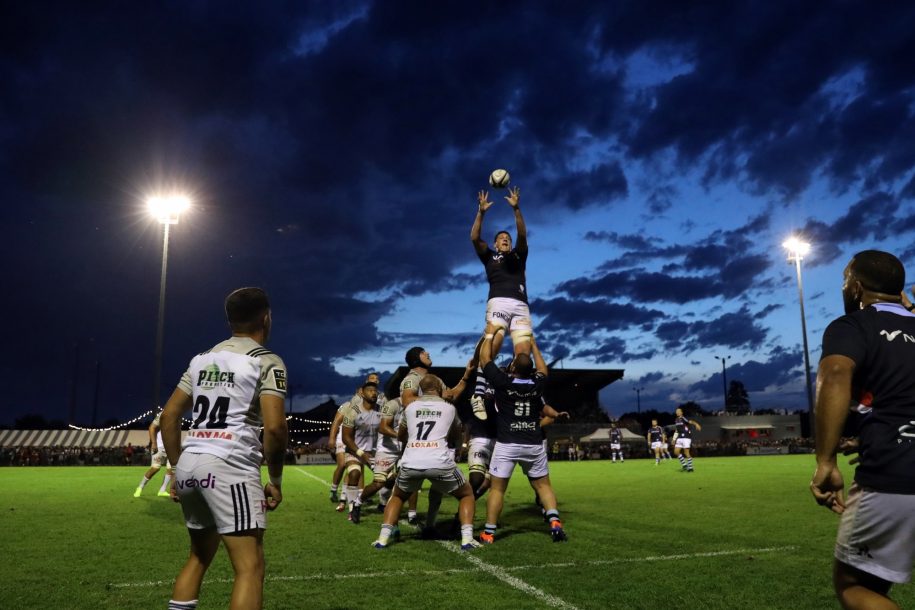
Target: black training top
<point>881,341</point>
<point>518,405</point>
<point>505,272</point>
<point>656,434</point>
<point>683,429</point>
<point>616,435</point>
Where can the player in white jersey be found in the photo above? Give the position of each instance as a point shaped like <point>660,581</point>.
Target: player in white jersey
<point>234,388</point>
<point>419,361</point>
<point>387,452</point>
<point>159,459</point>
<point>430,430</point>
<point>360,431</point>
<point>336,445</point>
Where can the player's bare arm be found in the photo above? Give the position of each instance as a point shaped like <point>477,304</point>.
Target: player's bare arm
<point>486,345</point>
<point>153,448</point>
<point>476,230</point>
<point>170,422</point>
<point>276,436</point>
<point>454,393</point>
<point>334,428</point>
<point>514,200</point>
<point>386,427</point>
<point>833,396</point>
<point>539,362</point>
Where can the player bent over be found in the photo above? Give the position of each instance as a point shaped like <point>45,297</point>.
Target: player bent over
<point>684,440</point>
<point>519,401</point>
<point>430,430</point>
<point>234,388</point>
<point>159,459</point>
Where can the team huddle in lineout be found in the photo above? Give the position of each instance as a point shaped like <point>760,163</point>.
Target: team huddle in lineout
<point>236,392</point>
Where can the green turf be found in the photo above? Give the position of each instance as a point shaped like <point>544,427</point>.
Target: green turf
<point>739,532</point>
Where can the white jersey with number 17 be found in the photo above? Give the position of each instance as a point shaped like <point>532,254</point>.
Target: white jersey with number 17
<point>428,421</point>
<point>226,384</point>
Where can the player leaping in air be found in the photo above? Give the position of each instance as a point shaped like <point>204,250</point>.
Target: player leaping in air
<point>507,306</point>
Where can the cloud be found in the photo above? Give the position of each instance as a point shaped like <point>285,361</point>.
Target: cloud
<point>781,367</point>
<point>734,330</point>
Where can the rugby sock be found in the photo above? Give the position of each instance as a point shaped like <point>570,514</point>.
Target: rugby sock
<point>385,535</point>
<point>351,492</point>
<point>482,386</point>
<point>553,516</point>
<point>188,605</point>
<point>143,482</point>
<point>411,514</point>
<point>384,495</point>
<point>689,464</point>
<point>682,460</point>
<point>165,482</point>
<point>490,528</point>
<point>467,533</point>
<point>657,460</point>
<point>333,488</point>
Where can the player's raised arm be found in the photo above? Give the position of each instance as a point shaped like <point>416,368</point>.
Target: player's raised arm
<point>514,200</point>
<point>476,230</point>
<point>452,394</point>
<point>276,437</point>
<point>539,362</point>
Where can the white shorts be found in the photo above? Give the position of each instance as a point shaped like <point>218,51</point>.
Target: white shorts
<point>616,446</point>
<point>479,453</point>
<point>384,465</point>
<point>216,494</point>
<point>684,443</point>
<point>340,446</point>
<point>532,459</point>
<point>508,313</point>
<point>657,445</point>
<point>876,533</point>
<point>160,459</point>
<point>442,480</point>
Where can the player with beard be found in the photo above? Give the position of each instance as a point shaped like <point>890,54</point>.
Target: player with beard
<point>868,358</point>
<point>360,431</point>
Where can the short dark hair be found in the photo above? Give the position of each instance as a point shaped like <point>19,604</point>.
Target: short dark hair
<point>524,365</point>
<point>879,271</point>
<point>500,233</point>
<point>412,357</point>
<point>246,308</point>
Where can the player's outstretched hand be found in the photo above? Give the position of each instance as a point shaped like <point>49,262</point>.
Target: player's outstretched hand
<point>827,487</point>
<point>514,196</point>
<point>173,490</point>
<point>483,200</point>
<point>272,495</point>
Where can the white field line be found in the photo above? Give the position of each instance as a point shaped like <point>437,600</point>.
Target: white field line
<point>530,566</point>
<point>512,581</point>
<point>501,573</point>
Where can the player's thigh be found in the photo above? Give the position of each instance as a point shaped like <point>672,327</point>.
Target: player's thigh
<point>499,312</point>
<point>384,467</point>
<point>534,463</point>
<point>409,480</point>
<point>504,458</point>
<point>246,550</point>
<point>204,544</point>
<point>446,480</point>
<point>479,454</point>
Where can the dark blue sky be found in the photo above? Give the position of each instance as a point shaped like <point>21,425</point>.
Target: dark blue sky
<point>333,151</point>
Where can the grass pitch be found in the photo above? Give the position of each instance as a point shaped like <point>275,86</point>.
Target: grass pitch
<point>739,532</point>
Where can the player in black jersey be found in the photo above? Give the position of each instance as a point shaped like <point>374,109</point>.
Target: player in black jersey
<point>656,439</point>
<point>519,405</point>
<point>616,442</point>
<point>684,440</point>
<point>507,305</point>
<point>868,359</point>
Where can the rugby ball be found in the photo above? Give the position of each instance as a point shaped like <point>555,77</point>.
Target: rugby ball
<point>499,178</point>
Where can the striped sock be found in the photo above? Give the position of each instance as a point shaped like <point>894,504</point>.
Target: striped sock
<point>188,605</point>
<point>482,386</point>
<point>552,515</point>
<point>490,528</point>
<point>682,460</point>
<point>689,464</point>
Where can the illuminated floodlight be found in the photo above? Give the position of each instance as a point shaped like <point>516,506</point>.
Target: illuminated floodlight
<point>797,248</point>
<point>168,209</point>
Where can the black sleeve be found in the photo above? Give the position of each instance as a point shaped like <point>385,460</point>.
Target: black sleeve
<point>496,377</point>
<point>521,250</point>
<point>484,256</point>
<point>845,337</point>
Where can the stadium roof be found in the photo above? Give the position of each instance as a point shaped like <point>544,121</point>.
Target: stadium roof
<point>560,381</point>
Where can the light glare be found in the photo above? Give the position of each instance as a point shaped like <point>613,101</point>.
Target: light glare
<point>796,247</point>
<point>167,209</point>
